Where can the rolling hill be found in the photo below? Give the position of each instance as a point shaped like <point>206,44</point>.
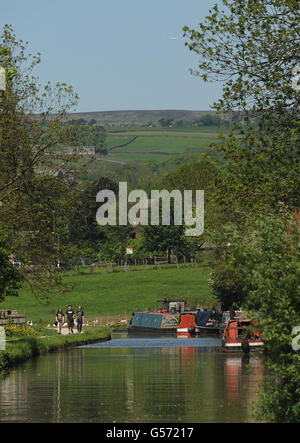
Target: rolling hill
<point>139,117</point>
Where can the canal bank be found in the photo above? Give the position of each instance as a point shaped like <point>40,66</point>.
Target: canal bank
<point>18,350</point>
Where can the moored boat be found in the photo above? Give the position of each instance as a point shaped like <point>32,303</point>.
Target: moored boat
<point>173,317</point>
<point>240,335</point>
<point>163,320</point>
<point>198,322</point>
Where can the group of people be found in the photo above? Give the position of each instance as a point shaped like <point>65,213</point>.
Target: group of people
<point>70,317</point>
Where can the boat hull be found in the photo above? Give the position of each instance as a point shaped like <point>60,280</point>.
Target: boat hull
<point>143,329</point>
<point>238,346</point>
<point>207,330</point>
<point>168,322</point>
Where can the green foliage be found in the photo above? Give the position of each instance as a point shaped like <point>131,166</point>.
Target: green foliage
<point>28,138</point>
<point>90,135</point>
<point>165,239</point>
<point>260,270</point>
<point>10,278</point>
<point>250,46</point>
<point>277,292</point>
<point>261,172</point>
<point>116,241</point>
<point>164,122</point>
<point>198,175</point>
<point>256,40</point>
<point>209,120</point>
<point>139,250</point>
<point>84,230</point>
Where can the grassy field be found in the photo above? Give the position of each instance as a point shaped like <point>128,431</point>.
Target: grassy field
<point>157,145</point>
<point>166,144</point>
<point>142,145</point>
<point>209,131</point>
<point>104,294</point>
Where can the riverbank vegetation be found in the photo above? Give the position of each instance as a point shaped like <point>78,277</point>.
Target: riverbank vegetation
<point>27,342</point>
<point>258,191</point>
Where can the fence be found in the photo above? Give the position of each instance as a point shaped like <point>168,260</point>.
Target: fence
<point>109,320</point>
<point>11,316</point>
<point>147,264</point>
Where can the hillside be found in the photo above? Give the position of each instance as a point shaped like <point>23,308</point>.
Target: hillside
<point>116,292</point>
<point>143,143</point>
<point>137,117</point>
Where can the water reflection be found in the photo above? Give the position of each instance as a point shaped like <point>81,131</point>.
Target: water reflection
<point>234,369</point>
<point>133,384</point>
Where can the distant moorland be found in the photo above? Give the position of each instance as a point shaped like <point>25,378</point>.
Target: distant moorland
<point>139,117</point>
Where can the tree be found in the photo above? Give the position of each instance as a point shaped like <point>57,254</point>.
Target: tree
<point>209,120</point>
<point>253,48</point>
<point>117,238</point>
<point>27,135</point>
<point>85,232</point>
<point>200,174</point>
<point>31,126</point>
<point>165,239</point>
<point>91,135</point>
<point>165,122</point>
<point>10,277</point>
<point>260,271</point>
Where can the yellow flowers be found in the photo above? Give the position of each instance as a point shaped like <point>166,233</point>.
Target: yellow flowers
<point>21,330</point>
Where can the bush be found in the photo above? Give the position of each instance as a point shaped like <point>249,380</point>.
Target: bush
<point>13,330</point>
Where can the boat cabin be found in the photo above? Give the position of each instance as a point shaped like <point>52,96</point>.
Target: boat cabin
<point>171,306</point>
<point>238,330</point>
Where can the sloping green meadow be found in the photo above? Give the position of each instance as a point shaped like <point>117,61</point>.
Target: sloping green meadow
<point>116,293</point>
<point>158,143</point>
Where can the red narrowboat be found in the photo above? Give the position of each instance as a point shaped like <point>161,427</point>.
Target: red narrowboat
<point>240,334</point>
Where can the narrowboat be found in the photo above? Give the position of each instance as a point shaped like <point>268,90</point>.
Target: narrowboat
<point>199,322</point>
<point>240,335</point>
<point>173,317</point>
<point>163,320</point>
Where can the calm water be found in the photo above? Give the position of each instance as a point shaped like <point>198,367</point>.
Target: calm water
<point>134,380</point>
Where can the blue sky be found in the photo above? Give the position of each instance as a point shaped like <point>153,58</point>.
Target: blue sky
<point>115,53</point>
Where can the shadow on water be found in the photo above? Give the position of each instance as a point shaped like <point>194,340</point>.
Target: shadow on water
<point>134,379</point>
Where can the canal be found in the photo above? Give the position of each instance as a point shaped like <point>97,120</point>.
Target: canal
<point>144,379</point>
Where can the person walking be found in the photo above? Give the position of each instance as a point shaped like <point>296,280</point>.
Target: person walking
<point>79,319</point>
<point>70,318</point>
<point>59,320</point>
